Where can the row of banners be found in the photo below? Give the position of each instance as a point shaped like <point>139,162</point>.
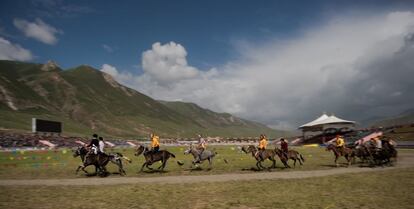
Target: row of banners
<point>23,152</point>
<point>33,165</point>
<point>30,158</point>
<point>63,151</point>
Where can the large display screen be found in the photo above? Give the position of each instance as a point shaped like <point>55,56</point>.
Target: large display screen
<point>39,125</point>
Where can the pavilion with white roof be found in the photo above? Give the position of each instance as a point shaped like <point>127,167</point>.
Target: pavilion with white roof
<point>325,122</point>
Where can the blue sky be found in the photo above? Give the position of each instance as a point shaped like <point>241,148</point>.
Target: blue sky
<point>276,62</point>
<point>209,30</point>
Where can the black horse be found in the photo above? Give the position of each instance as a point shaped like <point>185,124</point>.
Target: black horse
<point>99,160</point>
<point>151,158</point>
<point>381,156</point>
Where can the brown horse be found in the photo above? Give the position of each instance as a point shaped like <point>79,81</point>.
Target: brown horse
<point>346,152</point>
<point>150,158</point>
<point>291,155</point>
<point>265,154</point>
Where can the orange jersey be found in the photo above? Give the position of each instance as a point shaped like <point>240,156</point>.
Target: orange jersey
<point>263,143</point>
<point>155,141</point>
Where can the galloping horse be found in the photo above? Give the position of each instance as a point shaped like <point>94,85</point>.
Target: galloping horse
<point>206,155</point>
<point>150,158</point>
<point>361,151</point>
<point>266,154</point>
<point>346,152</point>
<point>100,160</point>
<point>292,154</point>
<point>381,156</point>
<point>82,151</point>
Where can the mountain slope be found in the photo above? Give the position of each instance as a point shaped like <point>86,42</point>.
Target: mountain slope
<point>406,117</point>
<point>219,123</point>
<point>87,100</point>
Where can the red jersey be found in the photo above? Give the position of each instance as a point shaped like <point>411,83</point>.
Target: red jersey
<point>284,146</point>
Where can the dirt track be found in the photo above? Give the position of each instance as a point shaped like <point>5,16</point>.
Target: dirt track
<point>404,161</point>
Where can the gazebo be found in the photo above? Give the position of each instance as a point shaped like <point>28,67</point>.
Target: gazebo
<point>326,123</point>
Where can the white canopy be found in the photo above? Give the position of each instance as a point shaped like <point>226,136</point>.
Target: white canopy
<point>324,119</point>
<point>316,121</point>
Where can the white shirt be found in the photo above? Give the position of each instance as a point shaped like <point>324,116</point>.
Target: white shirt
<point>379,144</point>
<point>101,146</point>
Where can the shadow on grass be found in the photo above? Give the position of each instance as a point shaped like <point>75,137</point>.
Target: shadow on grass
<point>332,165</point>
<point>195,169</point>
<point>153,171</point>
<point>255,169</point>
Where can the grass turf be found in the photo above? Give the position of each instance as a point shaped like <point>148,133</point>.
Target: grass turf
<point>61,164</point>
<point>382,189</point>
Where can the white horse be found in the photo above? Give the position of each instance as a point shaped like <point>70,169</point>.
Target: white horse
<point>206,155</point>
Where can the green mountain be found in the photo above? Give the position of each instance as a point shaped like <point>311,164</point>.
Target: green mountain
<point>220,123</point>
<point>87,100</point>
<point>406,117</point>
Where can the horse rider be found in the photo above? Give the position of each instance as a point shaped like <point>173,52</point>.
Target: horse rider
<point>155,144</point>
<point>358,144</point>
<point>284,146</point>
<point>202,144</point>
<point>340,143</point>
<point>101,145</point>
<point>94,144</point>
<point>377,143</point>
<point>262,146</point>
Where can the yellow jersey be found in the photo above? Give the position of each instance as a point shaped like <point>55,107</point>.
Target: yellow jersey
<point>263,143</point>
<point>155,141</point>
<point>340,142</point>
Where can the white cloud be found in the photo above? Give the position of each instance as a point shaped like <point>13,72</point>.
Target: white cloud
<point>38,30</point>
<point>107,48</point>
<point>111,70</point>
<point>350,65</point>
<point>122,77</point>
<point>167,63</point>
<point>10,51</point>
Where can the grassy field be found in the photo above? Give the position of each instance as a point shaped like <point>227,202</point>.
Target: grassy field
<point>61,164</point>
<point>383,189</point>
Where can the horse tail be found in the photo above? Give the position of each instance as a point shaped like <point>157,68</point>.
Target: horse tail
<point>122,157</point>
<point>126,158</point>
<point>171,154</point>
<point>301,157</point>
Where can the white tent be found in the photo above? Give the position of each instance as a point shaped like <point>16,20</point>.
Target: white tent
<point>316,121</point>
<point>325,119</point>
<point>325,122</point>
